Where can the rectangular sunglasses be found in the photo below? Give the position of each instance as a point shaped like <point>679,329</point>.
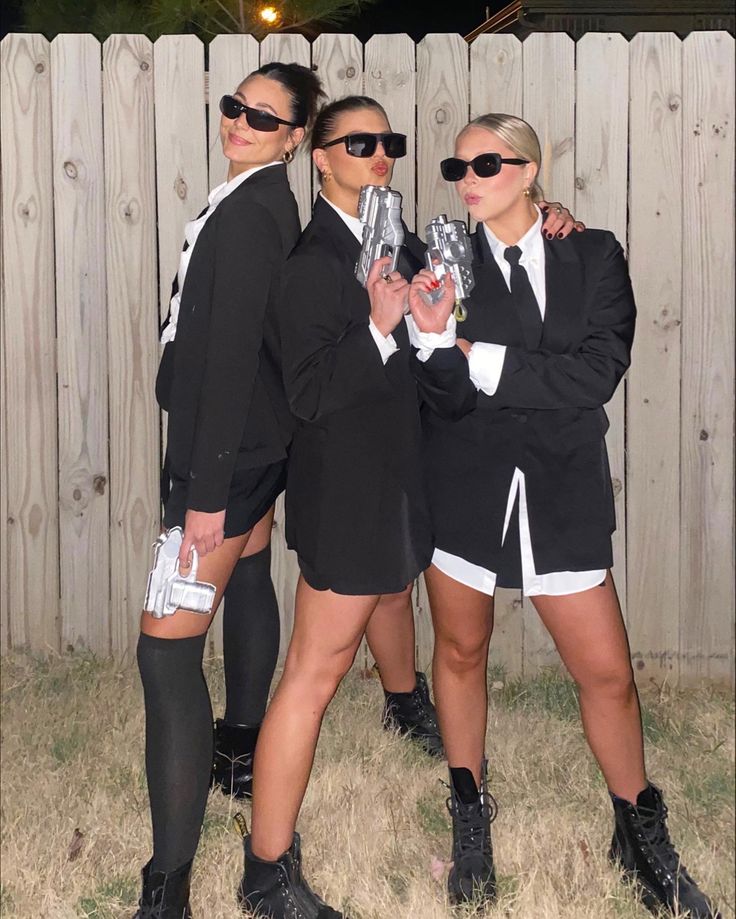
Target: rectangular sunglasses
<point>484,166</point>
<point>256,118</point>
<point>364,144</point>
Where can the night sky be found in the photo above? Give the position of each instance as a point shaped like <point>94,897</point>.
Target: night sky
<point>416,17</point>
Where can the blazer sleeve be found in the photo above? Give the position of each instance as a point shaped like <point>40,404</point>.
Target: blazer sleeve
<point>588,376</point>
<point>330,361</point>
<point>444,382</point>
<point>248,251</point>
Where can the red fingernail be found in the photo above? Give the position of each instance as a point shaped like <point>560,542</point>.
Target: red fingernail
<point>559,235</point>
<point>434,285</point>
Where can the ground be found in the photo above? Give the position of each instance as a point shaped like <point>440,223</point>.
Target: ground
<point>75,825</point>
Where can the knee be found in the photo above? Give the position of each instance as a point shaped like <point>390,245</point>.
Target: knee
<point>612,680</point>
<point>314,679</point>
<point>462,655</point>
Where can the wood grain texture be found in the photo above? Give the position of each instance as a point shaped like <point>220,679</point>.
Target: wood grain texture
<point>293,49</point>
<point>32,540</point>
<point>601,155</point>
<point>653,406</point>
<point>496,80</point>
<point>81,328</point>
<point>442,111</point>
<point>231,59</point>
<point>181,148</point>
<point>549,106</point>
<point>391,78</point>
<point>707,410</point>
<point>284,573</point>
<point>132,347</point>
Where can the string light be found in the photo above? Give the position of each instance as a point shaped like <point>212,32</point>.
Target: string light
<point>270,15</point>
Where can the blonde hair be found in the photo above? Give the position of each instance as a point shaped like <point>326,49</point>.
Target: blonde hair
<point>519,136</point>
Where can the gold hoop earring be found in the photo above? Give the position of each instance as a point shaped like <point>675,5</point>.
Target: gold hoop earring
<point>288,156</point>
<point>326,176</point>
<point>527,193</point>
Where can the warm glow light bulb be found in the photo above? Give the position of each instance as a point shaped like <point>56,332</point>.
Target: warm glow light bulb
<point>270,15</point>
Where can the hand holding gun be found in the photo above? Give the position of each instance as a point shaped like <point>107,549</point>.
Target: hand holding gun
<point>167,589</point>
<point>449,252</point>
<point>379,210</point>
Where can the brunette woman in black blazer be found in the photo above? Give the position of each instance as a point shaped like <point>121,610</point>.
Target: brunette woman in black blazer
<point>356,510</point>
<point>228,428</point>
<point>521,497</point>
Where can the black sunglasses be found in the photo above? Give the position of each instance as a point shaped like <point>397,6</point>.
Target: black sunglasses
<point>256,118</point>
<point>363,144</point>
<point>484,166</point>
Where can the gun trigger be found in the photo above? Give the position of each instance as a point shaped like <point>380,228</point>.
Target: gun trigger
<point>460,312</point>
<point>240,824</point>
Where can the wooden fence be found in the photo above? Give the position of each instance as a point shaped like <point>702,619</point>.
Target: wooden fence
<point>108,149</point>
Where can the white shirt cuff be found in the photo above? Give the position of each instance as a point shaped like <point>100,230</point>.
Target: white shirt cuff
<point>386,344</point>
<point>485,364</point>
<point>426,342</point>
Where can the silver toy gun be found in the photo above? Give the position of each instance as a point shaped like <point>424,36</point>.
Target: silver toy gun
<point>379,210</point>
<point>168,590</point>
<point>449,252</point>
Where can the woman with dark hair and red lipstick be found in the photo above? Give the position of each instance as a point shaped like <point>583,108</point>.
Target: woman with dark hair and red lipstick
<point>356,510</point>
<point>520,493</point>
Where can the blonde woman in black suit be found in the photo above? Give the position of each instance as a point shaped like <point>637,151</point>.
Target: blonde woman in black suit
<point>228,428</point>
<point>521,497</point>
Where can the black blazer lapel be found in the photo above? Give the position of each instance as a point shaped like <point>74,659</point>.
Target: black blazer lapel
<point>564,274</point>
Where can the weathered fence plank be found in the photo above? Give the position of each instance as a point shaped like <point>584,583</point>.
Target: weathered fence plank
<point>653,407</point>
<point>549,106</point>
<point>707,413</point>
<point>496,80</point>
<point>133,352</point>
<point>181,148</point>
<point>81,329</point>
<point>32,543</point>
<point>442,111</point>
<point>293,49</point>
<point>231,59</point>
<point>601,152</point>
<point>390,77</point>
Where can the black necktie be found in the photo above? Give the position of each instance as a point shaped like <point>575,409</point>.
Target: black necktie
<point>524,299</point>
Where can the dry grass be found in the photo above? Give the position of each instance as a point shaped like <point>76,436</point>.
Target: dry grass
<point>374,821</point>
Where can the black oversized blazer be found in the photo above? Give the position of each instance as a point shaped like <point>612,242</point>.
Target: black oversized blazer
<point>546,416</point>
<point>220,379</point>
<point>356,509</point>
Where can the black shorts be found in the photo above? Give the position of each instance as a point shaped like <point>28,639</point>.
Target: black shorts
<point>252,492</point>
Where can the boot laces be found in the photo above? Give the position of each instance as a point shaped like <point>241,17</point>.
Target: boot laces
<point>653,828</point>
<point>471,822</point>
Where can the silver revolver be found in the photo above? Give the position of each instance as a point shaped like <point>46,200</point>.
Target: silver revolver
<point>449,252</point>
<point>168,590</point>
<point>379,210</point>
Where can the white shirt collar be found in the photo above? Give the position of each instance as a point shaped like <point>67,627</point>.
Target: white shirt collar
<point>531,243</point>
<point>226,188</point>
<point>352,223</point>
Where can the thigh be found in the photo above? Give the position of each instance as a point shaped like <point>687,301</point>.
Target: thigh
<point>260,535</point>
<point>214,568</point>
<point>587,628</point>
<point>391,603</point>
<point>327,626</point>
<point>460,614</point>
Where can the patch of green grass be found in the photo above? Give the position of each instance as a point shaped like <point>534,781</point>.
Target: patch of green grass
<point>216,825</point>
<point>548,692</point>
<point>69,746</point>
<point>433,816</point>
<point>710,791</point>
<point>108,898</point>
<point>6,899</point>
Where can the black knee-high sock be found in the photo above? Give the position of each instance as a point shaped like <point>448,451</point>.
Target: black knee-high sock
<point>250,633</point>
<point>178,744</point>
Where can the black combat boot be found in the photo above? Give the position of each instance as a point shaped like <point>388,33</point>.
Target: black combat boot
<point>412,714</point>
<point>232,769</point>
<point>165,894</point>
<point>277,890</point>
<point>641,847</point>
<point>472,876</point>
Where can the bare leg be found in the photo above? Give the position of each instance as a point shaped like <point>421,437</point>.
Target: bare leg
<point>463,623</point>
<point>327,631</point>
<point>390,636</point>
<point>260,535</point>
<point>590,635</point>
